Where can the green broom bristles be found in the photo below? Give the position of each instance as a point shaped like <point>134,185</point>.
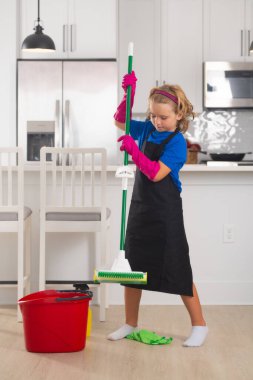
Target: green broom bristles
<point>120,277</point>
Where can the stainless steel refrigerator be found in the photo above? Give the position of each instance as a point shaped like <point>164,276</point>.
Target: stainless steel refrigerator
<point>66,103</point>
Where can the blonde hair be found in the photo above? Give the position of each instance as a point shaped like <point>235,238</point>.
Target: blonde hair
<point>184,107</point>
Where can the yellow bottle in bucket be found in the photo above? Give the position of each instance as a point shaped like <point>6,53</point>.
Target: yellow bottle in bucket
<point>89,322</point>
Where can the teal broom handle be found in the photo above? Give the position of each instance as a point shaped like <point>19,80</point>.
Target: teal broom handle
<point>128,111</point>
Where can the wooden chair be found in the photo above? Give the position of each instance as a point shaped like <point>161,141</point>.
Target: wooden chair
<point>73,199</point>
<point>14,216</point>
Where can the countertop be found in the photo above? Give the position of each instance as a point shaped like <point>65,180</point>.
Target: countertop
<point>186,168</point>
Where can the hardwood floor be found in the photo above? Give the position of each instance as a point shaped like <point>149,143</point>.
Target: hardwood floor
<point>227,353</point>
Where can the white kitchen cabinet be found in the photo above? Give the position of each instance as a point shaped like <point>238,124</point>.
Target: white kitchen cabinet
<point>139,22</point>
<point>248,28</point>
<point>167,36</point>
<point>8,41</point>
<point>228,30</point>
<point>94,29</point>
<point>181,47</point>
<point>79,28</point>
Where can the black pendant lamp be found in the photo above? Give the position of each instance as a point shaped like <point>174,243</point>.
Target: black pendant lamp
<point>38,42</point>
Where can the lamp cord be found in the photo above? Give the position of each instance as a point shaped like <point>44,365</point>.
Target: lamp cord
<point>38,10</point>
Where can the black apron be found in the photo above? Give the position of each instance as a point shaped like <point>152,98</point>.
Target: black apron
<point>155,237</point>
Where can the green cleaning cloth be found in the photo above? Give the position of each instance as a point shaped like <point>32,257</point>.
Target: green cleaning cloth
<point>149,337</point>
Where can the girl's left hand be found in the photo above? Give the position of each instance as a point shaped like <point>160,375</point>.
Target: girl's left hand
<point>128,144</point>
<point>146,166</point>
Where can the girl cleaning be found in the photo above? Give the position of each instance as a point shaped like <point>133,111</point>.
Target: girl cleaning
<point>155,237</point>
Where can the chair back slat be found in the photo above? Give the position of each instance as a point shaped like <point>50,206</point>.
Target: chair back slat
<point>63,180</point>
<point>11,179</point>
<point>73,181</point>
<point>92,181</point>
<point>103,182</point>
<point>1,180</point>
<point>54,157</point>
<point>19,159</point>
<point>78,178</point>
<point>83,180</point>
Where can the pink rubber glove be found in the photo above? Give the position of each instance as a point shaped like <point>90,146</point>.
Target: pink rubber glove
<point>128,80</point>
<point>146,166</point>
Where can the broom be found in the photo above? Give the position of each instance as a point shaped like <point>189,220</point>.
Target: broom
<point>121,271</point>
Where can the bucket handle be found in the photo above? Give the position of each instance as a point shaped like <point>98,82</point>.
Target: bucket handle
<point>88,295</point>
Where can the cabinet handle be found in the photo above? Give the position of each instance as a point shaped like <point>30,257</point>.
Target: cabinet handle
<point>241,43</point>
<point>248,42</point>
<point>65,40</point>
<point>72,37</point>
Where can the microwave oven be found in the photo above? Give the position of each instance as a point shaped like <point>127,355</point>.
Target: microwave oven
<point>228,85</point>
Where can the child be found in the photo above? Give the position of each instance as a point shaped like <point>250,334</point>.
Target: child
<point>155,238</point>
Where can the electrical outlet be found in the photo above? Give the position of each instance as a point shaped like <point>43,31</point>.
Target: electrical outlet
<point>228,233</point>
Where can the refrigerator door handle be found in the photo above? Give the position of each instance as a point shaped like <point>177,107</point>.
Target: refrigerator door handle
<point>66,132</point>
<point>57,131</point>
<point>57,137</point>
<point>66,124</point>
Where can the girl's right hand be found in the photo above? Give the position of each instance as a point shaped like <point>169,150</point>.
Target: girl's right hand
<point>120,114</point>
<point>129,80</point>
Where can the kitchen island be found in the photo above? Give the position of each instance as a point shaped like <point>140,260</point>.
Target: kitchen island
<point>218,209</point>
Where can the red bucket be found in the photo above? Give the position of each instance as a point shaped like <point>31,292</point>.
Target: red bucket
<point>55,320</point>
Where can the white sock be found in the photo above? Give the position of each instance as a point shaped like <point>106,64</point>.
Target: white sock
<point>197,337</point>
<point>122,332</point>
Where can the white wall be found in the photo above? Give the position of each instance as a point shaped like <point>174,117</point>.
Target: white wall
<point>8,54</point>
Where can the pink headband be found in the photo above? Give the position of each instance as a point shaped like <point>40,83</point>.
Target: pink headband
<point>167,94</point>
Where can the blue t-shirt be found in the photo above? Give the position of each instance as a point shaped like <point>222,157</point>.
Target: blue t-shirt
<point>175,152</point>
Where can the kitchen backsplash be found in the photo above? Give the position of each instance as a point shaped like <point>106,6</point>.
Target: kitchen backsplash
<point>227,131</point>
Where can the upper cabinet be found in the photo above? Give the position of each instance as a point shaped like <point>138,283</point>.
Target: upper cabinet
<point>167,36</point>
<point>228,30</point>
<point>79,29</point>
<point>139,22</point>
<point>181,47</point>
